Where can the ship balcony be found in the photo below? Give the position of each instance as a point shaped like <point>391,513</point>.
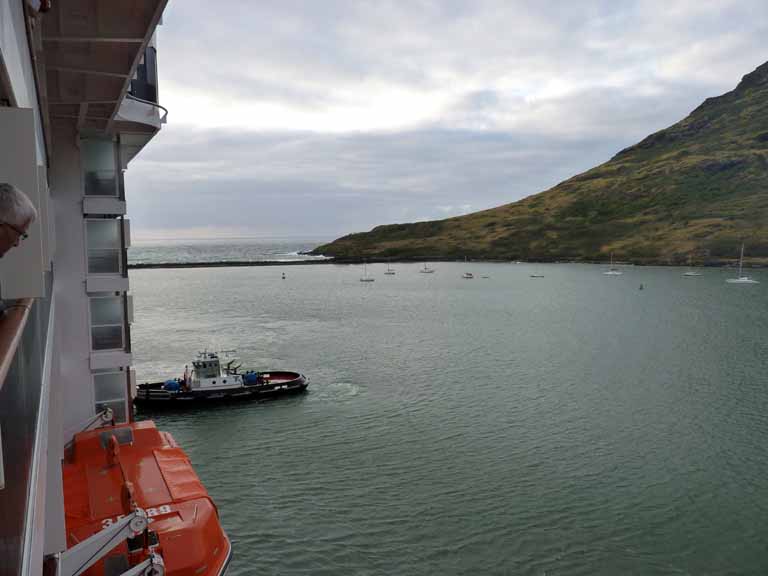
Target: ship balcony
<point>26,348</point>
<point>137,121</point>
<point>140,115</point>
<point>138,111</point>
<point>96,54</point>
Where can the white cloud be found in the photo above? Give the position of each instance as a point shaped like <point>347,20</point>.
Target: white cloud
<point>357,66</point>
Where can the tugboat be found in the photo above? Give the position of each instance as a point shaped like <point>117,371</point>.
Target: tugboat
<point>210,381</point>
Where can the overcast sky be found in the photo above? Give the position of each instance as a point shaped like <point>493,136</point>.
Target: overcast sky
<point>316,119</point>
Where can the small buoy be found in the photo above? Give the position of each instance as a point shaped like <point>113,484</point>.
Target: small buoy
<point>283,275</point>
<point>641,286</point>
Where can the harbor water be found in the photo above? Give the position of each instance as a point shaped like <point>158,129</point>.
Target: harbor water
<point>570,424</point>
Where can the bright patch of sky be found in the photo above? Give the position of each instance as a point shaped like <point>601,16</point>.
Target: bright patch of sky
<point>331,117</point>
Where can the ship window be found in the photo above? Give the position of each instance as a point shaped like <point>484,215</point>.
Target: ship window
<point>104,246</point>
<point>107,323</point>
<point>100,174</point>
<point>110,391</point>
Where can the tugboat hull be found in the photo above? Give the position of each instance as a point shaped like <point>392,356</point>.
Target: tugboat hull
<point>255,385</point>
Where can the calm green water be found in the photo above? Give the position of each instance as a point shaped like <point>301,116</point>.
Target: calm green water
<point>571,424</point>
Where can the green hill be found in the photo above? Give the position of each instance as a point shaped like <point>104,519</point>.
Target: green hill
<point>699,187</point>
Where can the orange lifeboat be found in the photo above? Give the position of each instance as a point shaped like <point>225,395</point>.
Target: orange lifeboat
<point>111,472</point>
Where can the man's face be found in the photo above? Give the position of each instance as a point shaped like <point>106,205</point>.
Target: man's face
<point>11,235</point>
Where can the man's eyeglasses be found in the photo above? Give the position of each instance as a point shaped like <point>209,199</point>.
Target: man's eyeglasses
<point>22,235</point>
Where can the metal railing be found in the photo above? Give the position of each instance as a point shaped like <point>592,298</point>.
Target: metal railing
<point>13,319</point>
<point>155,104</point>
<point>26,341</point>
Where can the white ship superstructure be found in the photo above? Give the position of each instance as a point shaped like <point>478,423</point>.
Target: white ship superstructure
<point>78,101</point>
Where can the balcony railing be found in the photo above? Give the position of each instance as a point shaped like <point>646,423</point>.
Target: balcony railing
<point>25,344</point>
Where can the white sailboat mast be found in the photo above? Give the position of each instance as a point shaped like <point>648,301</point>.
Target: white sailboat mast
<point>741,260</point>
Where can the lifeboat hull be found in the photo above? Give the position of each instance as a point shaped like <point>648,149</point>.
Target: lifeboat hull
<point>110,471</point>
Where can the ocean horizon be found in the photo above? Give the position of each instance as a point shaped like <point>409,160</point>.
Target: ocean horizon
<point>181,250</point>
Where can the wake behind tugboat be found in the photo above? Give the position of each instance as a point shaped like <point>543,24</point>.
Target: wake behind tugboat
<point>210,382</point>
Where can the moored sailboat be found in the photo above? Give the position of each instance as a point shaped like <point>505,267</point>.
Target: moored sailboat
<point>426,269</point>
<point>365,277</point>
<point>742,279</point>
<point>691,272</point>
<point>613,271</point>
<point>467,275</point>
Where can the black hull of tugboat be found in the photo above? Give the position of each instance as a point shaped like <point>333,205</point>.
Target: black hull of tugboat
<point>154,395</point>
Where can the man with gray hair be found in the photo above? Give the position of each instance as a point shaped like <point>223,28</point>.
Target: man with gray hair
<point>16,214</point>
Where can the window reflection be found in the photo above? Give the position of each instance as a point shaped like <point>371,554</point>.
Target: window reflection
<point>104,246</point>
<point>99,167</point>
<point>107,323</point>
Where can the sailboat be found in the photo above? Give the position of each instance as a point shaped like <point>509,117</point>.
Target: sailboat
<point>389,271</point>
<point>426,270</point>
<point>365,277</point>
<point>467,275</point>
<point>742,279</point>
<point>691,272</point>
<point>613,271</point>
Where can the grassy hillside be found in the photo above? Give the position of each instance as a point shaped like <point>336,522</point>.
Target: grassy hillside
<point>699,187</point>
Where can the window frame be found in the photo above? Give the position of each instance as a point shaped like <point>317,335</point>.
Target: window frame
<point>118,177</point>
<point>100,405</point>
<point>121,250</point>
<point>123,334</point>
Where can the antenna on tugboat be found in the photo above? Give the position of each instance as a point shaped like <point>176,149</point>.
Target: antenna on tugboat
<point>229,369</point>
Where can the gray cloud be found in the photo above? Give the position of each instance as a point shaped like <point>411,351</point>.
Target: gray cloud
<point>292,117</point>
<point>331,184</point>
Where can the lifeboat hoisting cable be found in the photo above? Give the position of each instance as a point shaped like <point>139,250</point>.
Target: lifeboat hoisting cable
<point>76,560</point>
